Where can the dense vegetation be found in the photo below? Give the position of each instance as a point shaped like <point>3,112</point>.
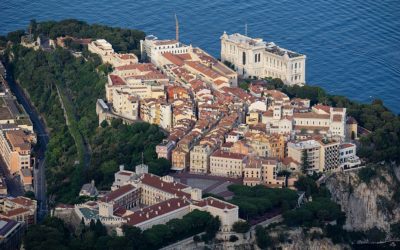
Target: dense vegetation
<point>123,40</point>
<point>317,212</point>
<point>256,201</point>
<point>80,151</point>
<point>54,234</point>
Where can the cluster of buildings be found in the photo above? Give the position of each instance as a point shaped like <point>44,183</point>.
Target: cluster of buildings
<point>141,199</point>
<point>16,138</point>
<point>16,214</point>
<point>216,128</point>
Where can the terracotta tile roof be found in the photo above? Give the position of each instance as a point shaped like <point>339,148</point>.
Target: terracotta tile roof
<point>23,201</point>
<point>213,202</point>
<point>173,59</point>
<point>116,80</point>
<point>14,212</point>
<point>325,108</point>
<point>203,69</point>
<point>169,187</point>
<point>117,193</point>
<point>222,154</point>
<point>337,118</point>
<point>156,210</point>
<point>346,145</point>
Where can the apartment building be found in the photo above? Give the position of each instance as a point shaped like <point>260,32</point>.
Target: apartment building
<point>255,57</point>
<point>164,149</point>
<point>125,104</point>
<point>347,156</point>
<point>296,149</point>
<point>227,164</point>
<point>200,158</point>
<point>323,155</point>
<point>15,148</point>
<point>21,209</point>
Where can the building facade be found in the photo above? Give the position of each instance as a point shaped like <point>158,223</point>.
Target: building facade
<point>255,57</point>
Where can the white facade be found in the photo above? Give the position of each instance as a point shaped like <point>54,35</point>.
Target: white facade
<point>125,104</point>
<point>255,57</point>
<point>152,49</point>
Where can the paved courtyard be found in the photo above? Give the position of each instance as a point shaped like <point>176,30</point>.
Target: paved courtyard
<point>207,183</point>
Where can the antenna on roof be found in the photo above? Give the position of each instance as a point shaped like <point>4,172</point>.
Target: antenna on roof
<point>176,28</point>
<point>245,29</point>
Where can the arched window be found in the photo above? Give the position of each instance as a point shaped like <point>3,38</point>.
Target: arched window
<point>244,58</point>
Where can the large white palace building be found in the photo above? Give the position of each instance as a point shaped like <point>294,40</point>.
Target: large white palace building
<point>253,57</point>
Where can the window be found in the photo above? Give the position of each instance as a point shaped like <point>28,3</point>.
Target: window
<point>244,58</point>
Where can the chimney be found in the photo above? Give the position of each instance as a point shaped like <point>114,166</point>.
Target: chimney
<point>92,183</point>
<point>121,167</point>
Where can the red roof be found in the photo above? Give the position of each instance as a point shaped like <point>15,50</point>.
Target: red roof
<point>117,193</point>
<point>14,212</point>
<point>213,202</point>
<point>156,210</point>
<point>169,187</point>
<point>223,154</point>
<point>22,201</point>
<point>116,80</point>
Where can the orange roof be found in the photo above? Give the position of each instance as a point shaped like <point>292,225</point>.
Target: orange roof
<point>173,58</point>
<point>323,107</point>
<point>22,201</point>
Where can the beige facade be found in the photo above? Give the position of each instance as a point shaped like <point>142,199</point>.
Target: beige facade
<point>200,159</point>
<point>322,155</point>
<point>15,148</point>
<point>104,49</point>
<point>227,164</point>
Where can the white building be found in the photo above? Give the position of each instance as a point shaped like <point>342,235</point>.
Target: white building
<point>106,52</point>
<point>255,57</point>
<point>152,49</point>
<point>347,156</point>
<point>323,155</point>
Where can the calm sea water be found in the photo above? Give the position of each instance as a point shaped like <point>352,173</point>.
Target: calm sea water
<point>353,46</point>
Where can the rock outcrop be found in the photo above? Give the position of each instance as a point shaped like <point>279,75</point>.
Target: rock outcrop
<point>366,205</point>
<point>297,239</point>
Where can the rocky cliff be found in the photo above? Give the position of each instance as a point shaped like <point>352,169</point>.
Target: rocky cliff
<point>366,205</point>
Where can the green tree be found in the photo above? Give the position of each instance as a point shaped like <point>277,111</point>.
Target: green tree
<point>262,238</point>
<point>241,227</point>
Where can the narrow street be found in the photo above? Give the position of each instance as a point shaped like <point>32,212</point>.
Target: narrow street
<point>43,140</point>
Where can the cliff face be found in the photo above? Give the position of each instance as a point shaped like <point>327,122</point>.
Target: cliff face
<point>298,240</point>
<point>366,205</point>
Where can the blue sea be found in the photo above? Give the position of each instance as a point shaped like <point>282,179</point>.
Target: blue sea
<point>353,46</point>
